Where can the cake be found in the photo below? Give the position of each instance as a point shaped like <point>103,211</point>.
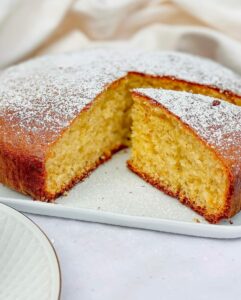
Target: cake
<point>189,146</point>
<point>52,108</point>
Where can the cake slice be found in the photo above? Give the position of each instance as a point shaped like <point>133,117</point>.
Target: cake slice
<point>189,146</point>
<point>63,115</point>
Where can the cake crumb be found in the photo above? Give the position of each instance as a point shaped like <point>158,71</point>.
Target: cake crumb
<point>65,193</point>
<point>196,220</point>
<point>216,103</point>
<point>230,222</point>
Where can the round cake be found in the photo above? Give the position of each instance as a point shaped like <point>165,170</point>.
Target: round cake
<point>52,108</point>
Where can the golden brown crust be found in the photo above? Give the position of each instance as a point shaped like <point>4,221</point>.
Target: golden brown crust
<point>184,200</point>
<point>27,175</point>
<point>22,172</point>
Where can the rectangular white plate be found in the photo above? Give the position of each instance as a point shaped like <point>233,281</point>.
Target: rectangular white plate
<point>114,195</point>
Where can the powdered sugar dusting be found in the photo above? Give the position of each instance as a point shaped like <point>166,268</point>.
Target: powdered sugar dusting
<point>47,93</point>
<point>216,121</point>
<point>42,96</point>
<point>189,68</point>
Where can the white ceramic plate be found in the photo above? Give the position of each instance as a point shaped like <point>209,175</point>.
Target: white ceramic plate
<point>29,267</point>
<point>114,195</point>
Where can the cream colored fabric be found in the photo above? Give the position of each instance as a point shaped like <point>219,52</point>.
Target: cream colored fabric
<point>207,27</point>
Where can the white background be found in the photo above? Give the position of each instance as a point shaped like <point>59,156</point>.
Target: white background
<point>107,262</point>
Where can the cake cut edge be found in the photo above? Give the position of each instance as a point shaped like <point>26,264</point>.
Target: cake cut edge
<point>213,219</point>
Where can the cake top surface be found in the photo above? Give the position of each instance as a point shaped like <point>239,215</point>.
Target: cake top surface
<point>214,120</point>
<point>42,96</point>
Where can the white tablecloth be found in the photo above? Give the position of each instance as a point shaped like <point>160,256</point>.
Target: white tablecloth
<point>103,262</point>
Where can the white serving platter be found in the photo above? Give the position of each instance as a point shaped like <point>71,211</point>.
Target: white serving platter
<point>29,267</point>
<point>114,195</point>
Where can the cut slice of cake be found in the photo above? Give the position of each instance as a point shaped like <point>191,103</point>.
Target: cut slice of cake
<point>189,146</point>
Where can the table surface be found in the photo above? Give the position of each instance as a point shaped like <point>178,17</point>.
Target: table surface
<point>109,262</point>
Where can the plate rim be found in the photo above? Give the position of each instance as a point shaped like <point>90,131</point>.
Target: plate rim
<point>30,222</point>
<point>132,221</point>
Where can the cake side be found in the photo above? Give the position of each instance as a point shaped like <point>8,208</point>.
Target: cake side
<point>23,168</point>
<point>198,167</point>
